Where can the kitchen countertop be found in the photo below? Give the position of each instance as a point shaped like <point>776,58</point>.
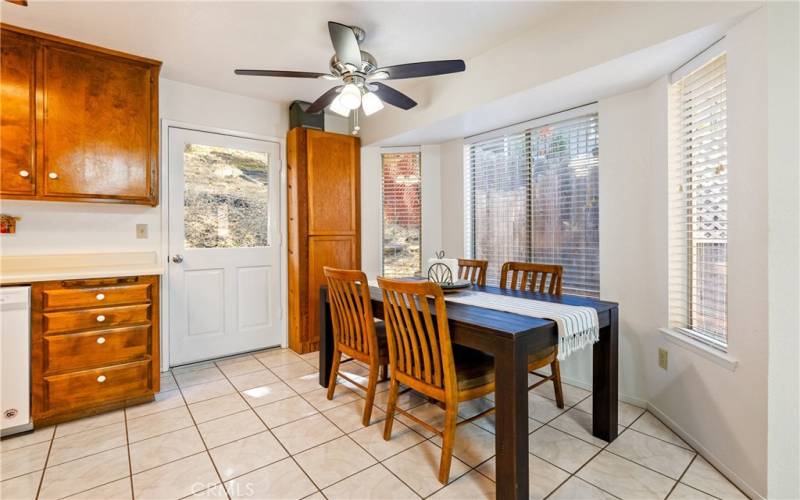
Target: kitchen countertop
<point>20,269</point>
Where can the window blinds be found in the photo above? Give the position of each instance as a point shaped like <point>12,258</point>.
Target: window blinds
<point>698,204</point>
<point>402,214</point>
<point>532,196</point>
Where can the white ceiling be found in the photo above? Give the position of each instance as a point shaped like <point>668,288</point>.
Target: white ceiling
<point>203,42</point>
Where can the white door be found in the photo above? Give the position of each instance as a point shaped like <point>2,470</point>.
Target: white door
<point>224,244</point>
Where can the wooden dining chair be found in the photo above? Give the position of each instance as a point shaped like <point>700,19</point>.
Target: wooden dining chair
<point>422,358</point>
<point>473,270</point>
<point>542,278</point>
<point>355,331</point>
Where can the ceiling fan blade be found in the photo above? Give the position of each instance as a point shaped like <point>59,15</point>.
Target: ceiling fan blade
<point>345,44</point>
<point>392,96</point>
<point>428,68</point>
<point>23,3</point>
<point>324,100</point>
<point>288,74</point>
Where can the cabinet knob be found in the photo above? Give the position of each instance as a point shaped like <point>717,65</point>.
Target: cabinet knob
<point>52,175</point>
<point>24,173</point>
<point>101,378</point>
<point>101,340</point>
<point>101,318</point>
<point>100,296</point>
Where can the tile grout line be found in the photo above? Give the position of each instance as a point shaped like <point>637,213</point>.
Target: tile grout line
<point>203,440</point>
<point>128,448</point>
<point>46,459</point>
<point>273,436</point>
<point>681,476</point>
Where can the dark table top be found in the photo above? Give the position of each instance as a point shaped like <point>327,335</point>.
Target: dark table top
<point>506,323</point>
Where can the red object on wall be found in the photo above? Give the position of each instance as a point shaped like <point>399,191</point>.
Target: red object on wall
<point>8,224</point>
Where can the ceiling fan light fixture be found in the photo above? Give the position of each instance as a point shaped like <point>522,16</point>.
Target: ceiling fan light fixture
<point>338,108</point>
<point>350,96</point>
<point>371,103</point>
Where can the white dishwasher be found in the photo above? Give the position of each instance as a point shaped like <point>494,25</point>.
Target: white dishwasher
<point>15,356</point>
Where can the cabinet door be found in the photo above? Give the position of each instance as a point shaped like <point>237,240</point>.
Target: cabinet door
<point>17,98</point>
<point>334,251</point>
<point>333,183</point>
<point>98,126</point>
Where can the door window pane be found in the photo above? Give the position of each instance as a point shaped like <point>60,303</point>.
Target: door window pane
<point>226,197</point>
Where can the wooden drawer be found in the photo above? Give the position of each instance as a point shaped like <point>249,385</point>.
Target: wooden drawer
<point>98,386</point>
<point>105,317</point>
<point>75,351</point>
<point>62,298</point>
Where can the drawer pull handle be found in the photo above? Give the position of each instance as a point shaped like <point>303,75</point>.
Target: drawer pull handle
<point>100,296</point>
<point>101,340</point>
<point>52,175</point>
<point>101,318</point>
<point>24,173</point>
<point>101,378</point>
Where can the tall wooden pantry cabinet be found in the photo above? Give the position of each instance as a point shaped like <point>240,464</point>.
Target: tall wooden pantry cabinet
<point>324,222</point>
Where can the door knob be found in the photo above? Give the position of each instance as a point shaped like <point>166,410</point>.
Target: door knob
<point>52,175</point>
<point>177,258</point>
<point>24,173</point>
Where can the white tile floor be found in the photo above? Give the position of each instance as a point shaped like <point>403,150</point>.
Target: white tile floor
<point>259,426</point>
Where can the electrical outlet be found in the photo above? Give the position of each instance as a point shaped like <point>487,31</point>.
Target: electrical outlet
<point>663,358</point>
<point>141,231</point>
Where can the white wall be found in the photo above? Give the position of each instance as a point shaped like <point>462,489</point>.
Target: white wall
<point>452,169</point>
<point>48,228</point>
<point>723,413</point>
<point>784,250</point>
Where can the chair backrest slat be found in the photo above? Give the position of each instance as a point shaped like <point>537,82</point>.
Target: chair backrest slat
<point>473,270</point>
<point>528,276</point>
<point>351,310</point>
<point>419,344</point>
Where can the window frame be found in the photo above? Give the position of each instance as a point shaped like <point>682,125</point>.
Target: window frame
<point>718,343</point>
<point>525,130</point>
<point>400,150</point>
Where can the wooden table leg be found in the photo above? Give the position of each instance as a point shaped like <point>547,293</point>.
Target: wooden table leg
<point>325,338</point>
<point>511,403</point>
<point>605,380</point>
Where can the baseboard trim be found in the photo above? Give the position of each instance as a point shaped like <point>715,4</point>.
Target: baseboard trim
<point>694,443</point>
<point>641,403</point>
<point>704,452</point>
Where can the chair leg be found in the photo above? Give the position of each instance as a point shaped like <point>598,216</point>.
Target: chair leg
<point>394,386</point>
<point>448,438</point>
<point>337,359</point>
<point>372,384</point>
<point>385,371</point>
<point>555,372</point>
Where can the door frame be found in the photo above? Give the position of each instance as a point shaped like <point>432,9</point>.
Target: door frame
<point>283,268</point>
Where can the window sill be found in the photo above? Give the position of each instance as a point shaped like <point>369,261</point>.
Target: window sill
<point>697,347</point>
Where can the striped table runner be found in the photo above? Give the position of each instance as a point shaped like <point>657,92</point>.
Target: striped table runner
<point>577,326</point>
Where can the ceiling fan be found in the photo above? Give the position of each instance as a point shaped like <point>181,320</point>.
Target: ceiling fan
<point>361,76</point>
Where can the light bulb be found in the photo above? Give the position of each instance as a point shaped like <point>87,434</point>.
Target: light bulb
<point>336,107</point>
<point>350,97</point>
<point>371,103</point>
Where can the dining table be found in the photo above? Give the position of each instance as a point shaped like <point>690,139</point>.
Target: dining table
<point>509,338</point>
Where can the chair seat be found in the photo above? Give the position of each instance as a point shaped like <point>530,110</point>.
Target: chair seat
<point>473,368</point>
<point>542,358</point>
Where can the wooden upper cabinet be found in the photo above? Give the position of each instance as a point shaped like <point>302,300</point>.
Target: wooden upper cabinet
<point>333,187</point>
<point>96,131</point>
<point>17,113</point>
<point>96,122</point>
